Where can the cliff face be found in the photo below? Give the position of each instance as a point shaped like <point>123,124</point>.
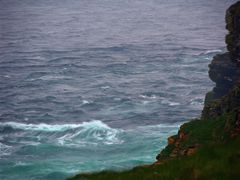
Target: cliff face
<point>228,103</point>
<point>224,69</point>
<point>233,26</point>
<point>220,120</point>
<point>225,73</point>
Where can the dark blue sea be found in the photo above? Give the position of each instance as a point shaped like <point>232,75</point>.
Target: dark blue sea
<point>88,85</point>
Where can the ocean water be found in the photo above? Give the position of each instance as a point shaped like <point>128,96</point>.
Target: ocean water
<point>88,85</point>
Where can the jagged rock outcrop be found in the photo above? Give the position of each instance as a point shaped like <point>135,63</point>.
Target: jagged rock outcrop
<point>224,70</point>
<point>177,146</point>
<point>228,103</point>
<point>225,73</point>
<point>233,26</point>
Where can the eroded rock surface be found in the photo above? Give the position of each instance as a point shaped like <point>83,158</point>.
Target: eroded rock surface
<point>224,69</point>
<point>233,26</point>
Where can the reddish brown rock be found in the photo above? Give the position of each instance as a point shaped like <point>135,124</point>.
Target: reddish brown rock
<point>182,136</point>
<point>171,140</point>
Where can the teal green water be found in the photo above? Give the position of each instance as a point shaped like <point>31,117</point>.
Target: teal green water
<point>42,151</point>
<point>87,85</point>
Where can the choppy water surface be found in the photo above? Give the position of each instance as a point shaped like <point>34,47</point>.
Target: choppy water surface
<point>87,85</point>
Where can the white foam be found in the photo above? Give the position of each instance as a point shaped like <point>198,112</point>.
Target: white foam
<point>40,127</point>
<point>52,127</point>
<point>5,149</point>
<point>93,132</point>
<point>165,125</point>
<point>85,102</point>
<point>20,163</point>
<point>170,103</point>
<point>212,51</point>
<point>117,99</point>
<point>148,97</point>
<point>105,87</point>
<point>7,76</point>
<point>51,77</point>
<point>174,103</point>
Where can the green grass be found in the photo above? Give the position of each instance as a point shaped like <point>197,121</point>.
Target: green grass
<point>219,161</point>
<point>218,156</point>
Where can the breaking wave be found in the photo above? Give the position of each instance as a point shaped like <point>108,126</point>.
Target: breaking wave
<point>213,51</point>
<point>54,127</point>
<point>72,134</point>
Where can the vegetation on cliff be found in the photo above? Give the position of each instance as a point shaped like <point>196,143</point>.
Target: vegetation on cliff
<point>218,161</point>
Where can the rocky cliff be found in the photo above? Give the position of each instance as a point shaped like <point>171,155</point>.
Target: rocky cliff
<point>224,69</point>
<point>233,26</point>
<point>222,102</point>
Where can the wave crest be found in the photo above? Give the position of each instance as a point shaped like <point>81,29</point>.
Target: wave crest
<point>52,127</point>
<point>68,134</point>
